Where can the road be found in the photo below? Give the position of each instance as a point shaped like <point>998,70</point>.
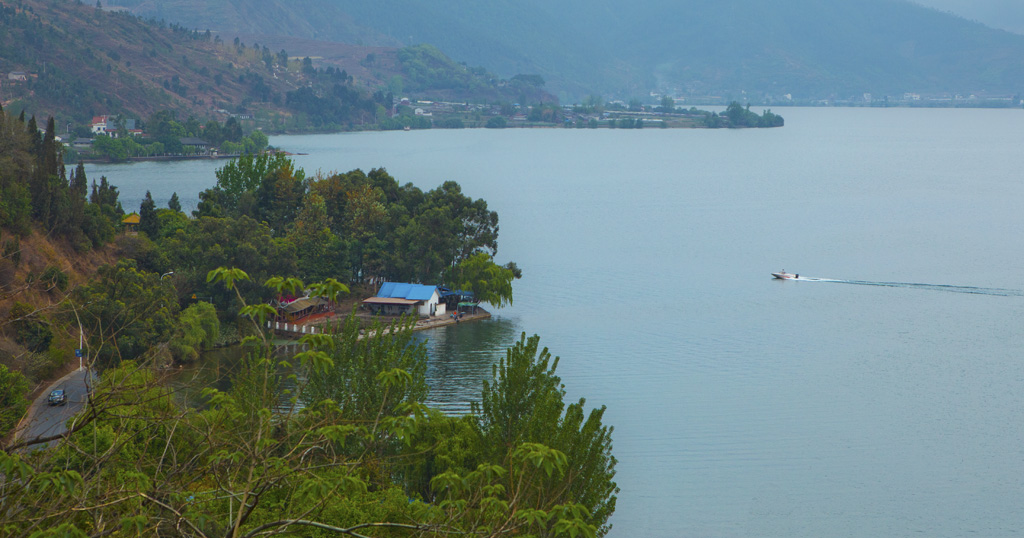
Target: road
<point>44,420</point>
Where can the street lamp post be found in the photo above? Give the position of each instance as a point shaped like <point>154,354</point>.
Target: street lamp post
<point>81,338</point>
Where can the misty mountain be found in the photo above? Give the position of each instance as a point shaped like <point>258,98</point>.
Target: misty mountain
<point>807,48</point>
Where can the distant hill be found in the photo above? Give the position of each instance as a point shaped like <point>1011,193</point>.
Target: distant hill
<point>806,48</point>
<point>81,61</point>
<point>76,61</point>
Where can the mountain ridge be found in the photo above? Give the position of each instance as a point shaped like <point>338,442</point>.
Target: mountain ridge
<point>804,48</point>
<point>73,61</point>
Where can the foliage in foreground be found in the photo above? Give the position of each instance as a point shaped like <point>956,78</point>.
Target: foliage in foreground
<point>363,458</point>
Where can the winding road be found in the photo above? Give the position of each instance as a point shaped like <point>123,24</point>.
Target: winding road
<point>44,420</point>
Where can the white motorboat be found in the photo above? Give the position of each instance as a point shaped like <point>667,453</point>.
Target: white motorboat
<point>783,275</point>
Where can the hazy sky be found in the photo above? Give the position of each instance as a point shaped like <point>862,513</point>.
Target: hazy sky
<point>1005,14</point>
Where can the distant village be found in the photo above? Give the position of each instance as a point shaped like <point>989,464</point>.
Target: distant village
<point>665,110</point>
<point>116,127</point>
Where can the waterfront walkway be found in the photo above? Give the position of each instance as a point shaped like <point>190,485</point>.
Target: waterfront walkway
<point>318,323</point>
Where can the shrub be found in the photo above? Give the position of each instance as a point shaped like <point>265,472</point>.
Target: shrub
<point>53,277</point>
<point>12,251</point>
<point>13,389</point>
<point>30,330</point>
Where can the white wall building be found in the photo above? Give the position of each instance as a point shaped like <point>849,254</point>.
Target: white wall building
<point>399,298</point>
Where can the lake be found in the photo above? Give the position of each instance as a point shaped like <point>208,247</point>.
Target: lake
<point>885,399</point>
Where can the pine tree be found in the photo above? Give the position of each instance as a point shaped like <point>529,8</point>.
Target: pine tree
<point>33,133</point>
<point>147,217</point>
<point>45,184</point>
<point>76,202</point>
<point>174,204</point>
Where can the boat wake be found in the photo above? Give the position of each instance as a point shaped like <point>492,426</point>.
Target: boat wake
<point>999,292</point>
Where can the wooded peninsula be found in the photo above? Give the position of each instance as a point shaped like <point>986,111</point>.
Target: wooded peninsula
<point>334,440</point>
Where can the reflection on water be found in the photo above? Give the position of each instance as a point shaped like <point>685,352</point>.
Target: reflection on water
<point>459,358</point>
<point>217,367</point>
<point>213,370</point>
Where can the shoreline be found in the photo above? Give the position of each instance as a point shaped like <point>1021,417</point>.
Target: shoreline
<point>309,325</point>
<point>169,158</point>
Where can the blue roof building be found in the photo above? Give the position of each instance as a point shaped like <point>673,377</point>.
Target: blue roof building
<point>402,298</point>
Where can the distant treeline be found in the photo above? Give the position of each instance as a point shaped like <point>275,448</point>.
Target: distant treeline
<point>736,115</point>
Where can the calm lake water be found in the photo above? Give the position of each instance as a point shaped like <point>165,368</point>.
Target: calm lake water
<point>884,400</point>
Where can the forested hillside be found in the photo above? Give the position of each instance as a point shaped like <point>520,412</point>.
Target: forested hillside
<point>80,62</point>
<point>73,61</point>
<point>806,48</point>
<point>55,228</point>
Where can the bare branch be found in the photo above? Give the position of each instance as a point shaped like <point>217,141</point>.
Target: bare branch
<point>181,519</point>
<point>282,526</point>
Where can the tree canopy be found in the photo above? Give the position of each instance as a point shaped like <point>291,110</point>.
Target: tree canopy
<point>355,224</point>
<point>290,449</point>
<point>487,280</point>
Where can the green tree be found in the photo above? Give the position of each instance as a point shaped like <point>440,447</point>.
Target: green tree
<point>79,189</point>
<point>736,114</point>
<point>30,328</point>
<point>475,226</point>
<point>256,142</point>
<point>170,222</point>
<point>212,133</point>
<point>524,403</point>
<point>16,163</point>
<point>279,195</point>
<point>207,243</point>
<point>198,329</point>
<point>111,148</point>
<point>126,312</point>
<point>768,119</point>
<point>14,390</point>
<point>487,280</point>
<point>174,204</point>
<point>251,461</point>
<point>147,217</point>
<point>247,173</point>
<point>321,254</point>
<point>354,381</point>
<point>668,104</point>
<point>232,131</point>
<point>192,127</point>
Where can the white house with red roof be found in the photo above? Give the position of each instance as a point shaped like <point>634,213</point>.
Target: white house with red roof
<point>99,124</point>
<point>107,125</point>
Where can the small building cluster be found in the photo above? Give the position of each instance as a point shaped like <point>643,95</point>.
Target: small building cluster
<point>395,298</point>
<point>398,298</point>
<point>108,125</point>
<point>433,304</point>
